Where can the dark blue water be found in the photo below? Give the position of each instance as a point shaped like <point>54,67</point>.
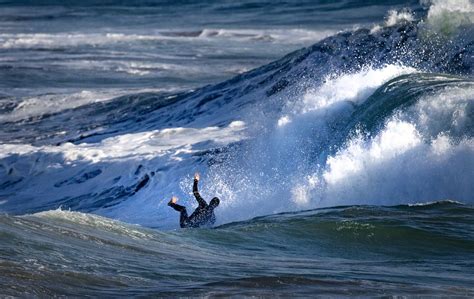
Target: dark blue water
<point>338,135</point>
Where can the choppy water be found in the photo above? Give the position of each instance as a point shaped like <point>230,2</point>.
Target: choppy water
<point>342,251</point>
<point>359,114</point>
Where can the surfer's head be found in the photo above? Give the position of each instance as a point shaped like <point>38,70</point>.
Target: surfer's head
<point>214,202</point>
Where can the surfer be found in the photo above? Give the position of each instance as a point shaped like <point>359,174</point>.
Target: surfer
<point>204,213</point>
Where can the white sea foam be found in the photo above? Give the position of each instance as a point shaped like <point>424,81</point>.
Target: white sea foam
<point>58,40</point>
<point>448,111</point>
<point>447,16</point>
<point>302,192</point>
<point>393,18</point>
<point>419,155</point>
<point>402,170</point>
<point>444,16</point>
<point>131,66</point>
<point>31,106</point>
<point>396,139</point>
<point>144,145</point>
<point>281,35</point>
<point>51,103</point>
<point>284,120</point>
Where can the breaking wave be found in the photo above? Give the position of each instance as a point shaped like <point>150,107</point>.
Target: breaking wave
<point>379,116</point>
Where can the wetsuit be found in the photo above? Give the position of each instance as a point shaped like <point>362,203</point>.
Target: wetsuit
<point>202,216</point>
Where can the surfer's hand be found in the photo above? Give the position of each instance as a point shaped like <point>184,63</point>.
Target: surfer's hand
<point>196,176</point>
<point>173,199</point>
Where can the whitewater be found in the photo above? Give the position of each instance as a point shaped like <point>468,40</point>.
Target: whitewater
<point>339,138</point>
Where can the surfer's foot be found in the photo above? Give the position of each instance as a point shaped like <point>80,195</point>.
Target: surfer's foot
<point>173,200</point>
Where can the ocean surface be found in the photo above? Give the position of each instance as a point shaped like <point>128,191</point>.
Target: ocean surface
<point>337,134</point>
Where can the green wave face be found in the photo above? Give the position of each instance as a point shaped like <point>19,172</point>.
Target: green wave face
<point>399,95</point>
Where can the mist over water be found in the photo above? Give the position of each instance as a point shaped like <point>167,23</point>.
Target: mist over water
<point>345,128</point>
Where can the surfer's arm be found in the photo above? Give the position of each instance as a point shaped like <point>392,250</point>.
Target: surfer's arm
<point>202,203</point>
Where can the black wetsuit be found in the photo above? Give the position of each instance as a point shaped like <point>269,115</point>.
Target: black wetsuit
<point>202,216</point>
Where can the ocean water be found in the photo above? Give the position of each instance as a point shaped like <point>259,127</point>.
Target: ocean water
<point>337,134</point>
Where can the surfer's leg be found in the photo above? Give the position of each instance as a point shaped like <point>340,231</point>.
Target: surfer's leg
<point>183,218</point>
<point>183,214</point>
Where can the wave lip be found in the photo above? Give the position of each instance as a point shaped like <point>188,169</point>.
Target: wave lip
<point>70,219</point>
<point>431,203</point>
